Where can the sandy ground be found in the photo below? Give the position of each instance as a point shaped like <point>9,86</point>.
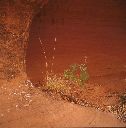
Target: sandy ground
<point>25,107</point>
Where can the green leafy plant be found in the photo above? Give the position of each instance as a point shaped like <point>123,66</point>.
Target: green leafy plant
<point>77,73</point>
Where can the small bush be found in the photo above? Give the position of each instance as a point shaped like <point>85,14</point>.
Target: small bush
<point>77,74</point>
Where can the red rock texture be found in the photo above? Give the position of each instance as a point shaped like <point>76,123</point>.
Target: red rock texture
<point>15,19</point>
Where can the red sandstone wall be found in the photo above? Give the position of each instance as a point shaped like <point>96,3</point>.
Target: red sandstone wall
<point>15,19</point>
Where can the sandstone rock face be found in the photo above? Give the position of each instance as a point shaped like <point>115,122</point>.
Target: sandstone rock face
<point>15,19</point>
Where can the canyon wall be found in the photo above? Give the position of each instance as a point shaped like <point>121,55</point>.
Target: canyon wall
<point>15,19</point>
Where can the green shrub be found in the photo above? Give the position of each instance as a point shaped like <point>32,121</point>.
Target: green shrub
<point>77,74</point>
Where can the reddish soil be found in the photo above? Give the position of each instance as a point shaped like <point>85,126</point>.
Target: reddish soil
<point>27,107</point>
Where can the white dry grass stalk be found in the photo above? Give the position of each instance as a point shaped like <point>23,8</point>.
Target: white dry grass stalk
<point>44,52</point>
<point>53,57</point>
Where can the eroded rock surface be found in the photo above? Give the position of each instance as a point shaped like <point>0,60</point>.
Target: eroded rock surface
<point>15,19</point>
